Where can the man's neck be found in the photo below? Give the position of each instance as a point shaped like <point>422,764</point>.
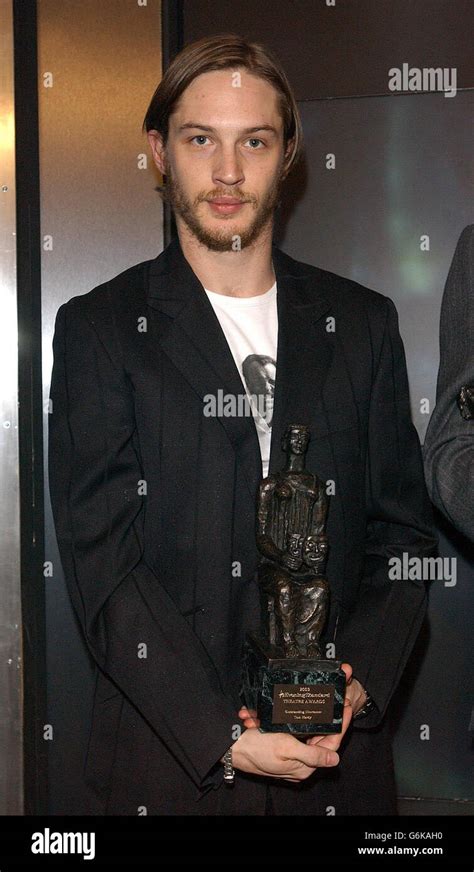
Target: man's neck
<point>246,273</point>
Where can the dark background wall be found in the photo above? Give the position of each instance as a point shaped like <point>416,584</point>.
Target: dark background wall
<point>345,49</point>
<point>403,169</point>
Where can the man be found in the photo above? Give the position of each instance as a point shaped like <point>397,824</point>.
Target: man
<point>155,501</point>
<point>449,443</point>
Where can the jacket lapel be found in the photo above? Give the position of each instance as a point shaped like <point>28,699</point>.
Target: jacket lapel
<point>304,354</point>
<point>191,336</point>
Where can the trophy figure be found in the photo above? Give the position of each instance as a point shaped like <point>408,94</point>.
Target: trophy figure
<point>286,679</point>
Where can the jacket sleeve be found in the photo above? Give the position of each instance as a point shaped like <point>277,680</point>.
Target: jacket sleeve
<point>131,625</point>
<point>449,444</point>
<point>377,634</point>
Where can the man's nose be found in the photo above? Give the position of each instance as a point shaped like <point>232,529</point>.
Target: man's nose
<point>227,169</point>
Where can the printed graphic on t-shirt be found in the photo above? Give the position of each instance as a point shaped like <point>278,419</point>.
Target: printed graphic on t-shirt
<point>259,371</point>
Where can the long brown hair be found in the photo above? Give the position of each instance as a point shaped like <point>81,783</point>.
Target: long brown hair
<point>222,52</point>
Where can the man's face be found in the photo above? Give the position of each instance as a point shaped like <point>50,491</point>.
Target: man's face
<point>225,144</point>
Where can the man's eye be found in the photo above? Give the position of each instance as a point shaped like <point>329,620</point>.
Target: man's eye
<point>199,136</point>
<point>259,141</point>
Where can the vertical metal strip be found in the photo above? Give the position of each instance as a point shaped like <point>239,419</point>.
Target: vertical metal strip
<point>172,41</point>
<point>11,671</point>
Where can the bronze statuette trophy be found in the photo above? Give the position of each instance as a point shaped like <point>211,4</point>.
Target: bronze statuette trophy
<point>285,678</point>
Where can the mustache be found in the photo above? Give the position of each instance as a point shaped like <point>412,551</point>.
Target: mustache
<point>235,195</point>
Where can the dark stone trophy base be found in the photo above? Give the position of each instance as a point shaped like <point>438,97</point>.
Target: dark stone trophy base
<point>301,696</point>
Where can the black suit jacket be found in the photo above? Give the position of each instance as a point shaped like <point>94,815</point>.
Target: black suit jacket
<point>449,442</point>
<point>154,505</point>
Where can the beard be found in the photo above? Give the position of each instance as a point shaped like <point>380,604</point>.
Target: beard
<point>222,239</point>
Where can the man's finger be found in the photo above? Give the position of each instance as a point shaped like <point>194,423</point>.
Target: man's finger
<point>347,668</point>
<point>314,755</point>
<point>245,712</point>
<point>251,723</point>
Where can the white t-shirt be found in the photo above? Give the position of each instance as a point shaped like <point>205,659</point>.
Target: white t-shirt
<point>250,325</point>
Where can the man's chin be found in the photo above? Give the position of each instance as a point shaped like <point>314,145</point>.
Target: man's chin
<point>233,239</point>
<point>214,244</point>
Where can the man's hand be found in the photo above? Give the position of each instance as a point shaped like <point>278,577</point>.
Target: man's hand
<point>281,758</point>
<point>356,697</point>
<point>280,755</point>
<point>355,693</point>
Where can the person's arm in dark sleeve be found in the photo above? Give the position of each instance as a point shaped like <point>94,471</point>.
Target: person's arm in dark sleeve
<point>377,634</point>
<point>94,475</point>
<point>448,449</point>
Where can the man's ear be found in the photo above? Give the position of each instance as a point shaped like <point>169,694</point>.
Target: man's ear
<point>158,150</point>
<point>288,151</point>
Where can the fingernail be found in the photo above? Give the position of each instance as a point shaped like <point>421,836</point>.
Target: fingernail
<point>332,758</point>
